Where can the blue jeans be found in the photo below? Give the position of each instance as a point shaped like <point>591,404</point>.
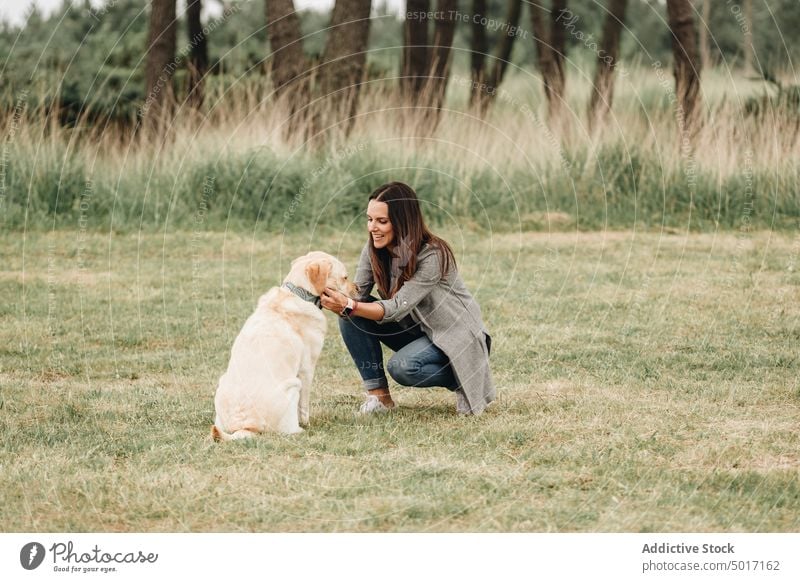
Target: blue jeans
<point>416,362</point>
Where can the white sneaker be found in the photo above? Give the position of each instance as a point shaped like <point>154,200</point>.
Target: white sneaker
<point>373,405</point>
<point>462,404</point>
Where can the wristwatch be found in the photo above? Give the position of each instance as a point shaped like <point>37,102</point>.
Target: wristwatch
<point>348,309</point>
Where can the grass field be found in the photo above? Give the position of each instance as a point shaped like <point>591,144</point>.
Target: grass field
<point>647,382</point>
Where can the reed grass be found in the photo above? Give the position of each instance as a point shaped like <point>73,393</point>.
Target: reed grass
<point>512,169</point>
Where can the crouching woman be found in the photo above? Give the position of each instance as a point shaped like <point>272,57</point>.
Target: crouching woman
<point>425,313</point>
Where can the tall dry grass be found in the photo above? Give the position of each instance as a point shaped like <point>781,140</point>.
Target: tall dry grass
<point>238,161</point>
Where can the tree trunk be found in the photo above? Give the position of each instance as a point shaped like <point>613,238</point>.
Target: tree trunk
<point>607,60</point>
<point>705,49</point>
<point>514,10</point>
<point>480,45</point>
<point>415,49</point>
<point>550,47</point>
<point>559,50</point>
<point>288,65</point>
<point>484,87</point>
<point>439,65</point>
<point>687,62</point>
<point>160,64</point>
<point>345,56</point>
<point>748,37</point>
<point>198,55</point>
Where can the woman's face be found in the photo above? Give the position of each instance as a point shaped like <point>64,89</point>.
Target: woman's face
<point>379,225</point>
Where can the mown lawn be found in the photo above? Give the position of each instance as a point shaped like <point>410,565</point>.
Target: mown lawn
<point>647,382</point>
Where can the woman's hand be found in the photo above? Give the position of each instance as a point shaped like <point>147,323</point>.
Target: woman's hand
<point>332,300</point>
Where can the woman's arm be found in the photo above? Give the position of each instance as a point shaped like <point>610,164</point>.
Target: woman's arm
<point>427,276</point>
<point>333,300</point>
<point>364,278</point>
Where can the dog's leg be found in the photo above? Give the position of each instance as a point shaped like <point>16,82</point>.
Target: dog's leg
<point>306,376</point>
<point>290,424</point>
<point>304,404</point>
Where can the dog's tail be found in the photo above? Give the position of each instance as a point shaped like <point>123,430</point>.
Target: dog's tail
<point>220,435</point>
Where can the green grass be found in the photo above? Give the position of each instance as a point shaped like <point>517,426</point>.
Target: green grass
<point>619,186</point>
<point>647,382</point>
<point>237,166</point>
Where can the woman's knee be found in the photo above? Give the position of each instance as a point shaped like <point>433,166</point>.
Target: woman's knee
<point>402,370</point>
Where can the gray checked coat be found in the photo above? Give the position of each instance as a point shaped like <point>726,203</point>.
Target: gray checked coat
<point>448,315</point>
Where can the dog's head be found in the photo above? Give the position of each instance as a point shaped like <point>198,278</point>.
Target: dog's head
<point>317,270</point>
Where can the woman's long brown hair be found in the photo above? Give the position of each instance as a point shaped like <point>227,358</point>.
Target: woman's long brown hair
<point>410,234</point>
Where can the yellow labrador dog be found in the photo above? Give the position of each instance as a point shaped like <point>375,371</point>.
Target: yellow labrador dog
<point>267,385</point>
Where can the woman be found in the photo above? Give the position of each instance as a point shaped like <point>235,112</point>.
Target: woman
<point>425,314</point>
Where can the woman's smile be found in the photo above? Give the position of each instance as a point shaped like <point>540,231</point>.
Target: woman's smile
<point>379,225</point>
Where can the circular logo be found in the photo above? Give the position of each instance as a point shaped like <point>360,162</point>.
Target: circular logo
<point>32,555</point>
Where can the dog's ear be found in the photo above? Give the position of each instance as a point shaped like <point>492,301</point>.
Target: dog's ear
<point>317,273</point>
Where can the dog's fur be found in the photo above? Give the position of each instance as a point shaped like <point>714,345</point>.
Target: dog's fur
<point>267,385</point>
